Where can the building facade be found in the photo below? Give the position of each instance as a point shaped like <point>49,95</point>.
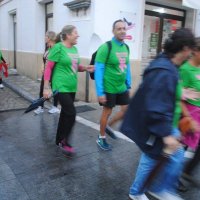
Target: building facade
<point>24,23</point>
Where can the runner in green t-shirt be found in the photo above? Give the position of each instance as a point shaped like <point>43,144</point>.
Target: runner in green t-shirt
<point>63,60</point>
<point>190,76</point>
<point>113,80</point>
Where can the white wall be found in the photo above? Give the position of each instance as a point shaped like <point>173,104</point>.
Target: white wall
<point>30,26</point>
<point>83,21</point>
<point>6,24</point>
<point>197,24</point>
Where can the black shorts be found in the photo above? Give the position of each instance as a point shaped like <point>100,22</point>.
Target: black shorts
<point>116,99</point>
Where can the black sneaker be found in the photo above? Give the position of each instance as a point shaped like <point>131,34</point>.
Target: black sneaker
<point>110,132</point>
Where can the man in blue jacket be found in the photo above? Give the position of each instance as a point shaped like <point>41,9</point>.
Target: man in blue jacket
<point>152,118</point>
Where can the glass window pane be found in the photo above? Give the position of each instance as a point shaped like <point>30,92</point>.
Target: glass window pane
<point>50,24</point>
<point>49,8</point>
<point>150,36</point>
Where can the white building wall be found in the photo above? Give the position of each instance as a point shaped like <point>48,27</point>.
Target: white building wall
<point>197,24</point>
<point>30,26</point>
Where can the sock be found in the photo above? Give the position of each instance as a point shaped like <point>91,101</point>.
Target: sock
<point>102,137</point>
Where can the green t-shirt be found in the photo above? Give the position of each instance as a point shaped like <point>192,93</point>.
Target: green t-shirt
<point>178,109</point>
<point>0,57</point>
<point>64,78</point>
<point>115,67</point>
<point>190,76</point>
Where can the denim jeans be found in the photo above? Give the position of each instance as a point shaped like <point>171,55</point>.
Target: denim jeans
<point>166,179</point>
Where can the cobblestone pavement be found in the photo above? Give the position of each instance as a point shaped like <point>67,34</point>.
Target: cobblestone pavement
<point>11,101</point>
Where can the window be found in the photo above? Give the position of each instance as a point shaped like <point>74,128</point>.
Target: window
<point>49,16</point>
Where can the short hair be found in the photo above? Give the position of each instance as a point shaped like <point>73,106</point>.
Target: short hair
<point>115,22</point>
<point>181,38</point>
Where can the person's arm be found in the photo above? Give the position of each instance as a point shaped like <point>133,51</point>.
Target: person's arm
<point>128,77</point>
<point>82,68</point>
<point>99,73</point>
<point>47,76</point>
<point>100,64</point>
<point>160,102</point>
<point>161,105</point>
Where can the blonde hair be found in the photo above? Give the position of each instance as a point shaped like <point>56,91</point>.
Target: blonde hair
<point>51,35</point>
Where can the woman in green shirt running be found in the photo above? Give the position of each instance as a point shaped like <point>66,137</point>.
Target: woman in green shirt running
<point>63,61</point>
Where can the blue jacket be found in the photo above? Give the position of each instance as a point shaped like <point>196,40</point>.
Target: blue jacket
<point>150,113</point>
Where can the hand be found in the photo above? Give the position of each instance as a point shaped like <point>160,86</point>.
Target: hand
<point>90,68</point>
<point>195,126</point>
<point>171,144</point>
<point>102,99</point>
<point>47,93</point>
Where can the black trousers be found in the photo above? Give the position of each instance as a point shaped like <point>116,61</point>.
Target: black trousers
<point>192,165</point>
<point>0,80</point>
<point>67,116</point>
<point>55,98</point>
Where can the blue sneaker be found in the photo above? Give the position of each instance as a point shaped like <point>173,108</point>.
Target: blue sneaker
<point>103,144</point>
<point>110,132</point>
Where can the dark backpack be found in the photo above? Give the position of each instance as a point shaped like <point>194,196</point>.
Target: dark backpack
<point>92,61</point>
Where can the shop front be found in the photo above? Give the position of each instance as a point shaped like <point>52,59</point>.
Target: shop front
<point>159,22</point>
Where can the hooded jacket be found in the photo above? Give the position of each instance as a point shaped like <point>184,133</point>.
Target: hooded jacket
<point>150,114</point>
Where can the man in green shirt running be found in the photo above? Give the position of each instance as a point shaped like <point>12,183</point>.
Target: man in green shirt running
<point>113,80</point>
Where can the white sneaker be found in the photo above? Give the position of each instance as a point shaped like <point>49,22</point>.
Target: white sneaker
<point>138,197</point>
<point>1,86</point>
<point>39,110</point>
<point>54,110</point>
<point>165,196</point>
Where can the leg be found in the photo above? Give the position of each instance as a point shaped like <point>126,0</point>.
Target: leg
<point>41,89</point>
<point>191,166</point>
<point>146,164</point>
<point>55,100</point>
<point>167,180</point>
<point>1,84</point>
<point>67,116</point>
<point>118,116</point>
<point>104,119</point>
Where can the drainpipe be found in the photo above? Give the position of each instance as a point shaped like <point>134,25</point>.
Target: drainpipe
<point>87,87</point>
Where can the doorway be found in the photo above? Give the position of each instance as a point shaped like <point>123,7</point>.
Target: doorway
<point>159,22</point>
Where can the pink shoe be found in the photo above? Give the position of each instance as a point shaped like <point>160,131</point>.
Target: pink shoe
<point>67,150</point>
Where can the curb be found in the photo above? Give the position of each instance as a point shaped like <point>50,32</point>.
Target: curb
<point>19,91</point>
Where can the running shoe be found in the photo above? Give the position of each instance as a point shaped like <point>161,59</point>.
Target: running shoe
<point>39,110</point>
<point>138,197</point>
<point>1,86</point>
<point>165,196</point>
<point>54,110</point>
<point>102,143</point>
<point>67,150</point>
